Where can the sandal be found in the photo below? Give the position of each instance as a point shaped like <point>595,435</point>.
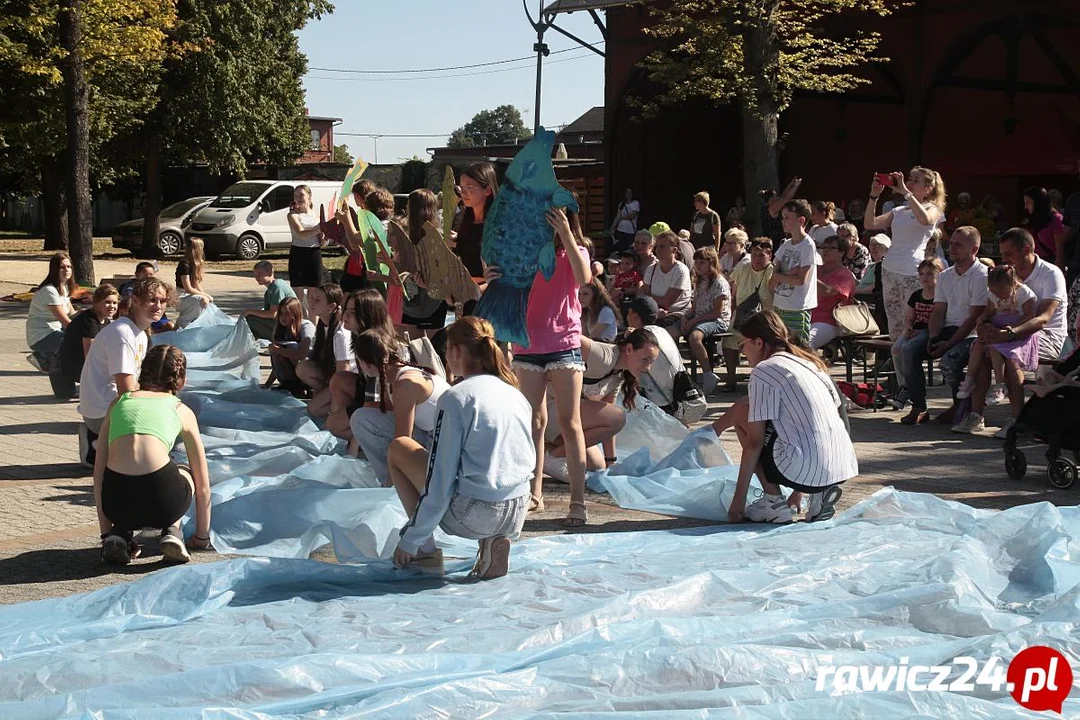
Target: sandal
<point>578,515</point>
<point>536,503</point>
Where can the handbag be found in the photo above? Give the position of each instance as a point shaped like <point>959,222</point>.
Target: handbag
<point>854,319</point>
<point>749,307</point>
<point>690,403</point>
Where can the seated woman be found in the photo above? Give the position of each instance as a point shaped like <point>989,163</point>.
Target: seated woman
<point>835,286</point>
<point>136,484</point>
<point>667,282</point>
<point>50,312</point>
<point>189,278</point>
<point>710,313</point>
<point>608,369</point>
<point>294,338</point>
<point>350,389</point>
<point>475,483</point>
<point>406,404</point>
<point>77,338</point>
<point>789,427</point>
<point>599,314</point>
<point>332,352</point>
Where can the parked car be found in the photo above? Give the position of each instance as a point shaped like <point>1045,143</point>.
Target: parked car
<point>171,224</point>
<point>251,216</point>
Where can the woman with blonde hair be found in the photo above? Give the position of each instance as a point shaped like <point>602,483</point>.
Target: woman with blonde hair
<point>822,221</point>
<point>189,278</point>
<point>710,312</point>
<point>912,225</point>
<point>474,483</point>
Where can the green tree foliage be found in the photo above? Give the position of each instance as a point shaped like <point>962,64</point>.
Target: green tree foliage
<point>757,54</point>
<point>114,48</point>
<point>501,126</point>
<point>235,95</point>
<point>342,156</point>
<point>232,94</point>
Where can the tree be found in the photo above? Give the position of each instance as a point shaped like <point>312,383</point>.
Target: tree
<point>756,54</point>
<point>232,92</point>
<point>501,126</point>
<point>342,156</point>
<point>83,72</point>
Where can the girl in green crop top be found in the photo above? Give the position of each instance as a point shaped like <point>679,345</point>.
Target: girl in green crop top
<point>136,483</point>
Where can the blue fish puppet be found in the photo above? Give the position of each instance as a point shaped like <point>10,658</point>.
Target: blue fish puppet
<point>518,239</point>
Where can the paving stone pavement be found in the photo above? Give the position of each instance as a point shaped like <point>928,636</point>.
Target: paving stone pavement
<point>48,528</point>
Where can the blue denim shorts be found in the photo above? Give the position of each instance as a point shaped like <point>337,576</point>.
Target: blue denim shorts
<point>709,327</point>
<point>561,360</point>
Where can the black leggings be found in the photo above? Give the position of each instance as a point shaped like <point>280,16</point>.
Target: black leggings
<point>157,499</point>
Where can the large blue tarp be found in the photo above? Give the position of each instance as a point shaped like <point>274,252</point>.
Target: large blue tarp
<point>281,486</point>
<point>711,622</point>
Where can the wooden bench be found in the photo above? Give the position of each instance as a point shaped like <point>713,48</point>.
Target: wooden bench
<point>710,342</point>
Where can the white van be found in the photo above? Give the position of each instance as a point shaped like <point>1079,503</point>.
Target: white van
<point>251,216</point>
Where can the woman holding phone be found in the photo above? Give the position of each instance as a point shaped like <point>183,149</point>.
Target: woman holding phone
<point>912,225</point>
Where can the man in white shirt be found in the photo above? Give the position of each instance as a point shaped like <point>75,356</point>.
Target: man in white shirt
<point>113,363</point>
<point>959,301</point>
<point>794,281</point>
<point>1048,283</point>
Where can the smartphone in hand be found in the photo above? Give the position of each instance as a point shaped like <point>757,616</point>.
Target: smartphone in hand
<point>884,179</point>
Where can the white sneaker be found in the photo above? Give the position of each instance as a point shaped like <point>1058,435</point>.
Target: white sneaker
<point>973,423</point>
<point>555,468</point>
<point>1004,429</point>
<point>965,389</point>
<point>768,509</point>
<point>709,381</point>
<point>172,545</point>
<point>823,504</point>
<point>997,395</point>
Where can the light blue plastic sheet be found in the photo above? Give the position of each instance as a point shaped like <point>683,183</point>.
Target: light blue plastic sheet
<point>280,486</point>
<point>711,622</point>
<point>692,476</point>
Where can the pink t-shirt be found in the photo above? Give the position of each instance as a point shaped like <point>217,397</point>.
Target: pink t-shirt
<point>842,280</point>
<point>554,315</point>
<point>1044,239</point>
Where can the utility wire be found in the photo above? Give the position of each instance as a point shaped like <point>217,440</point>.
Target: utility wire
<point>441,69</point>
<point>452,75</point>
<point>428,135</point>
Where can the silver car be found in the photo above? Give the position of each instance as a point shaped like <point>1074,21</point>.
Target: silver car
<point>171,224</point>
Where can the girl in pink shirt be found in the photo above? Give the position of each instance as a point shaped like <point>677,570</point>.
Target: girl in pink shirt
<point>553,319</point>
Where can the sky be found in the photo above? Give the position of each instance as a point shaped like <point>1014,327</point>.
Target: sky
<point>421,34</point>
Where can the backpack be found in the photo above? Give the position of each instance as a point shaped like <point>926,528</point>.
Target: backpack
<point>862,394</point>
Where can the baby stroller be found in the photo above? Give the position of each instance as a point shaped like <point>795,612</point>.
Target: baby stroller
<point>1055,420</point>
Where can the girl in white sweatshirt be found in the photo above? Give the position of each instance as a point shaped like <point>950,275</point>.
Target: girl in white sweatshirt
<point>475,481</point>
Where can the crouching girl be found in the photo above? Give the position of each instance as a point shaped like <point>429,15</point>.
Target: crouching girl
<point>136,483</point>
<point>475,481</point>
<point>408,398</point>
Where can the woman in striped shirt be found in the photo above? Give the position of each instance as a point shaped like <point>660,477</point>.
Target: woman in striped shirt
<point>789,427</point>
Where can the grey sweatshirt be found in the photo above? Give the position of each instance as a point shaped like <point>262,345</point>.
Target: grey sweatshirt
<point>482,448</point>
